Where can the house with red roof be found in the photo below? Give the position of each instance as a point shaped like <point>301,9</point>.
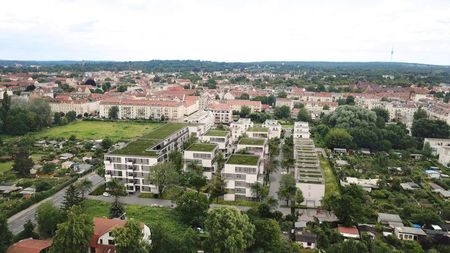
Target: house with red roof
<point>30,246</point>
<point>348,232</point>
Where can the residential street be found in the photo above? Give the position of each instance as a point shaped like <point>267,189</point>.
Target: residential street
<point>17,221</point>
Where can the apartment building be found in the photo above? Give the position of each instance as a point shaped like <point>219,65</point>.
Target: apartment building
<point>223,113</point>
<point>80,105</point>
<point>220,137</point>
<point>284,102</point>
<point>436,144</point>
<point>240,172</point>
<point>308,174</point>
<point>132,163</point>
<point>254,146</point>
<point>258,132</point>
<point>203,155</point>
<point>200,122</point>
<point>444,156</point>
<point>143,109</point>
<point>301,130</point>
<point>237,104</point>
<point>274,128</point>
<point>239,128</point>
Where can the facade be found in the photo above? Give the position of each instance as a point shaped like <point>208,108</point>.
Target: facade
<point>143,109</point>
<point>222,113</point>
<point>102,239</point>
<point>203,155</point>
<point>219,137</point>
<point>199,123</point>
<point>131,164</point>
<point>436,144</point>
<point>80,107</point>
<point>409,233</point>
<point>274,128</point>
<point>237,104</point>
<point>239,128</point>
<point>301,130</point>
<point>284,102</point>
<point>258,132</point>
<point>444,156</point>
<point>254,146</point>
<point>240,172</point>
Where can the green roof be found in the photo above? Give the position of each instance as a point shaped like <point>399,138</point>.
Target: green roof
<point>139,146</point>
<point>252,141</point>
<point>243,159</point>
<point>202,147</point>
<point>258,129</point>
<point>217,133</point>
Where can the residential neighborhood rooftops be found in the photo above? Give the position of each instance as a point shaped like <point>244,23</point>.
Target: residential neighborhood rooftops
<point>206,147</point>
<point>217,133</point>
<point>29,246</point>
<point>411,230</point>
<point>142,145</point>
<point>243,159</point>
<point>388,217</point>
<point>252,141</point>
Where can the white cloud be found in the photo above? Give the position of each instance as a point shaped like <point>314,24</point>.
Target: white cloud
<point>233,30</point>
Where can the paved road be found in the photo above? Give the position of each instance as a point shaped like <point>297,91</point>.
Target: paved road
<point>16,222</point>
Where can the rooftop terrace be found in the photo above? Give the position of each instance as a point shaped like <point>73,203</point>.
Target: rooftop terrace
<point>243,159</point>
<point>205,147</point>
<point>217,133</point>
<point>252,141</point>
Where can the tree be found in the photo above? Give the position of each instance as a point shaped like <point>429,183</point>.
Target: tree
<point>117,189</point>
<point>163,175</point>
<point>122,88</point>
<point>381,113</point>
<point>338,138</point>
<point>348,117</point>
<point>106,143</point>
<point>5,235</point>
<point>84,186</point>
<point>348,246</point>
<point>193,177</point>
<point>27,232</point>
<point>216,187</point>
<point>244,96</point>
<point>71,116</point>
<point>192,208</point>
<point>245,111</point>
<point>349,205</point>
<point>420,114</point>
<point>259,191</point>
<point>427,151</point>
<point>176,158</point>
<point>282,112</point>
<point>129,238</point>
<point>267,236</point>
<point>287,187</point>
<point>22,163</point>
<point>299,197</point>
<point>48,217</point>
<point>229,230</point>
<point>427,128</point>
<point>282,94</point>
<point>303,115</point>
<point>71,198</point>
<point>74,235</point>
<point>350,100</point>
<point>113,112</point>
<point>220,162</point>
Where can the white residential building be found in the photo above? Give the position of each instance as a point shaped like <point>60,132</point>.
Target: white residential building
<point>436,144</point>
<point>258,132</point>
<point>219,137</point>
<point>132,163</point>
<point>240,172</point>
<point>239,128</point>
<point>254,146</point>
<point>200,122</point>
<point>274,128</point>
<point>444,156</point>
<point>222,113</point>
<point>203,155</point>
<point>301,130</point>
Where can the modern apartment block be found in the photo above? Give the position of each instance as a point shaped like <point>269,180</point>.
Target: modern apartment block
<point>200,122</point>
<point>254,146</point>
<point>301,130</point>
<point>258,132</point>
<point>240,172</point>
<point>219,137</point>
<point>308,174</point>
<point>274,128</point>
<point>240,127</point>
<point>132,163</point>
<point>203,155</point>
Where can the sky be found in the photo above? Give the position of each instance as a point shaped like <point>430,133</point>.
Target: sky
<point>227,30</point>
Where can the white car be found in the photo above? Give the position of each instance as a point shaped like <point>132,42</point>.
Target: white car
<point>106,194</point>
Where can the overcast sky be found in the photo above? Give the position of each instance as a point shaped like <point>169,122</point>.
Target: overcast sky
<point>228,30</point>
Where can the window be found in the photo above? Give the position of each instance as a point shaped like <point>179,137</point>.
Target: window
<point>202,156</point>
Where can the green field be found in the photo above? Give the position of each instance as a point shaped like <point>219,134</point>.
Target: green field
<point>331,185</point>
<point>94,130</point>
<point>5,166</point>
<point>151,216</point>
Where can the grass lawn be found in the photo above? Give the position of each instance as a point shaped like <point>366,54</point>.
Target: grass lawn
<point>331,184</point>
<point>5,166</point>
<point>151,216</point>
<point>243,159</point>
<point>98,130</point>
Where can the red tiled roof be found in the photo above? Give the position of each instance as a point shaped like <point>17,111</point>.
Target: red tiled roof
<point>103,226</point>
<point>29,246</point>
<point>243,102</point>
<point>348,230</point>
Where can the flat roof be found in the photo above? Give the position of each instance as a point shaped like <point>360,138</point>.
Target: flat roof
<point>140,146</point>
<point>258,129</point>
<point>243,159</point>
<point>217,133</point>
<point>252,141</point>
<point>206,147</point>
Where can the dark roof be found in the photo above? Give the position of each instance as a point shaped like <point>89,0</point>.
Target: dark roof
<point>305,237</point>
